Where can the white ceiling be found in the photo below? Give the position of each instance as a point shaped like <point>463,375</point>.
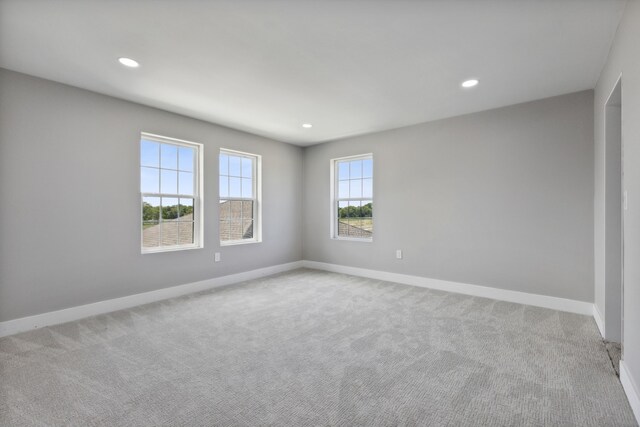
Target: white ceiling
<point>348,67</point>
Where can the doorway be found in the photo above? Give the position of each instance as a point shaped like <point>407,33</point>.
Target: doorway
<point>614,223</point>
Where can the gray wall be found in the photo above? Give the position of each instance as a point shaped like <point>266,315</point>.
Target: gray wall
<point>623,58</point>
<point>502,198</point>
<point>69,199</point>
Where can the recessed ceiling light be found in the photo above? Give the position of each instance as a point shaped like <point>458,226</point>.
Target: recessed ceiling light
<point>128,62</point>
<point>307,125</point>
<point>470,83</point>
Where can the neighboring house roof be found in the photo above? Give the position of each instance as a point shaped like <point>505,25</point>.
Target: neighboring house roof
<point>180,230</point>
<point>231,226</point>
<point>173,232</point>
<point>349,230</point>
<point>236,230</point>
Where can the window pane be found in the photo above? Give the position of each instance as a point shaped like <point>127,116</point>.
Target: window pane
<point>361,224</point>
<point>224,186</point>
<point>367,168</point>
<point>343,189</point>
<point>343,170</point>
<point>169,232</point>
<point>224,164</point>
<point>150,208</point>
<point>342,209</point>
<point>186,183</point>
<point>355,227</point>
<point>186,157</point>
<point>169,208</point>
<point>149,180</point>
<point>247,187</point>
<point>247,229</point>
<point>235,209</point>
<point>234,187</point>
<point>356,169</point>
<point>343,213</point>
<point>235,230</point>
<point>247,209</point>
<point>367,218</point>
<point>343,228</point>
<point>234,165</point>
<point>225,209</point>
<point>354,209</point>
<point>225,228</point>
<point>367,208</point>
<point>355,188</point>
<point>355,219</point>
<point>185,233</point>
<point>150,234</point>
<point>149,153</point>
<point>346,228</point>
<point>185,209</point>
<point>168,156</point>
<point>367,187</point>
<point>247,168</point>
<point>169,182</point>
<point>342,218</point>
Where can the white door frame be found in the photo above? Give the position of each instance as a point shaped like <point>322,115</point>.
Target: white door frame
<point>612,102</point>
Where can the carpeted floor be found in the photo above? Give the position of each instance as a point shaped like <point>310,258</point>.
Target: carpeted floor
<point>314,348</point>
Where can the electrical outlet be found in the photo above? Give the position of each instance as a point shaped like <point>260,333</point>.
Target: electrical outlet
<point>398,253</point>
<point>217,257</point>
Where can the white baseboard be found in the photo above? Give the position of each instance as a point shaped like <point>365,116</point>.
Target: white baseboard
<point>23,324</point>
<point>599,320</point>
<point>74,313</point>
<point>561,304</point>
<point>631,389</point>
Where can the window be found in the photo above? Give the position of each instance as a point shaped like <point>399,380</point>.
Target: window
<point>170,191</point>
<point>352,198</point>
<point>239,197</point>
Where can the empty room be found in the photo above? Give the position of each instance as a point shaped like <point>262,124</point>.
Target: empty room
<point>319,213</point>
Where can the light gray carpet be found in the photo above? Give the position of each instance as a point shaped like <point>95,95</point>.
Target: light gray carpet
<point>313,348</point>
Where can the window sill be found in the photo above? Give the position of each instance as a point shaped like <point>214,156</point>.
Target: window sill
<point>354,239</point>
<point>169,249</point>
<point>239,242</point>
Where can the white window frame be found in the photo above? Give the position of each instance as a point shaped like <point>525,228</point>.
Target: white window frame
<point>335,200</point>
<point>198,223</point>
<point>257,197</point>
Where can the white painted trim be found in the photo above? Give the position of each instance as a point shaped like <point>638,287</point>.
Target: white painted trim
<point>631,389</point>
<point>545,301</point>
<point>23,324</point>
<point>599,319</point>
